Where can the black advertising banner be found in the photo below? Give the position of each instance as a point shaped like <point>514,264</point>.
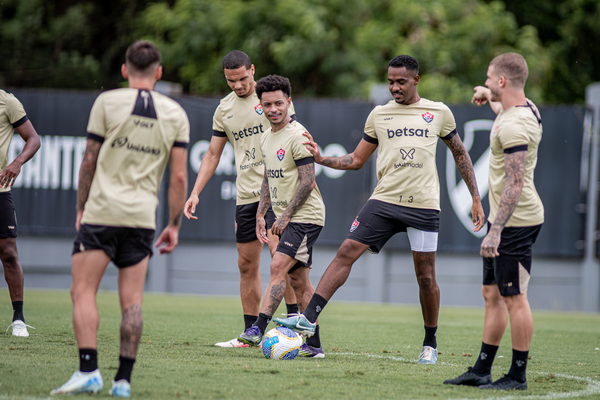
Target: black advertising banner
<point>45,192</point>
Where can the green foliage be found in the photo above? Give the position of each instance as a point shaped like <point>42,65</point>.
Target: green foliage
<point>371,353</point>
<point>341,47</point>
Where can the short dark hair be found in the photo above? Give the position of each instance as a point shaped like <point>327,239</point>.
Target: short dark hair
<point>236,59</point>
<point>408,62</point>
<point>512,66</point>
<point>273,83</point>
<point>142,56</point>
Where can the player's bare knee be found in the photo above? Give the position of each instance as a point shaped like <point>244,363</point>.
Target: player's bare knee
<point>9,258</point>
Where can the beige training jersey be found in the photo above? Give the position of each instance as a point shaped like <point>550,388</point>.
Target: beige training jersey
<point>12,115</point>
<point>283,153</point>
<point>518,128</point>
<point>137,129</point>
<point>407,137</point>
<point>243,122</point>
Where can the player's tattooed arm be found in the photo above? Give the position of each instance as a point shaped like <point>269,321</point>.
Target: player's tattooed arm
<point>87,172</point>
<point>265,198</point>
<point>465,167</point>
<point>354,160</point>
<point>514,167</point>
<point>131,330</point>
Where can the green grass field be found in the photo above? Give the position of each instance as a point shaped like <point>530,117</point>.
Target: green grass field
<point>371,353</point>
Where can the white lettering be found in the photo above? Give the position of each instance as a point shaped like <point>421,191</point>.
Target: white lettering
<point>226,163</point>
<point>67,143</point>
<point>51,155</point>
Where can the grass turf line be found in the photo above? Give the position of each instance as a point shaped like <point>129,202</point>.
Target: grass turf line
<point>371,352</point>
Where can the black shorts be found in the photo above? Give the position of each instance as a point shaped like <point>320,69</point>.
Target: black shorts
<point>8,217</point>
<point>297,241</point>
<point>378,221</point>
<point>124,246</point>
<point>245,222</point>
<point>511,270</point>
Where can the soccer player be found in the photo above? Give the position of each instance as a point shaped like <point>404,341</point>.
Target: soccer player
<point>406,198</point>
<point>288,186</point>
<point>516,217</point>
<point>240,119</point>
<point>13,116</point>
<point>132,134</point>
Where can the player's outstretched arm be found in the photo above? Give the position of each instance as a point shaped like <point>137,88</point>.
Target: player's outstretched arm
<point>177,191</point>
<point>86,176</point>
<point>208,166</point>
<point>482,95</point>
<point>354,160</point>
<point>32,144</point>
<point>307,184</point>
<point>514,167</point>
<point>465,167</point>
<point>263,206</point>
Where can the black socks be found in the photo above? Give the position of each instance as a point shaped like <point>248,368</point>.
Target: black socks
<point>518,368</point>
<point>314,340</point>
<point>430,334</point>
<point>292,308</point>
<point>125,368</point>
<point>262,321</point>
<point>88,360</point>
<point>314,308</point>
<point>249,320</point>
<point>18,311</point>
<point>483,365</point>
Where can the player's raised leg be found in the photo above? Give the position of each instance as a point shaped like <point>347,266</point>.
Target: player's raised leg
<point>87,270</point>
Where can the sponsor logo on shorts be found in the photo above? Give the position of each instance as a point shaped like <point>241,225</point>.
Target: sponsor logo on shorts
<point>354,225</point>
<point>408,154</point>
<point>124,142</point>
<point>258,109</point>
<point>428,117</point>
<point>280,154</point>
<point>11,227</point>
<point>288,244</point>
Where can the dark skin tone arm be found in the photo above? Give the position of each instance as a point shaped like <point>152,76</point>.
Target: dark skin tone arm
<point>32,144</point>
<point>353,161</point>
<point>514,166</point>
<point>86,176</point>
<point>465,167</point>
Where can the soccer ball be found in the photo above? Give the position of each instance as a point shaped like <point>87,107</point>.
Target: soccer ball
<point>281,343</point>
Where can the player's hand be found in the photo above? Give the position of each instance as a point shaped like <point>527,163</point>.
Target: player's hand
<point>481,95</point>
<point>477,214</point>
<point>78,219</point>
<point>489,246</point>
<point>170,238</point>
<point>279,226</point>
<point>190,207</point>
<point>312,147</point>
<point>261,230</point>
<point>9,174</point>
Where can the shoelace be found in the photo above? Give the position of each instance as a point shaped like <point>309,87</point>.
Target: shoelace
<point>29,326</point>
<point>427,353</point>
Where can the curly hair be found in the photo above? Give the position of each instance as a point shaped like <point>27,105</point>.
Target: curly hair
<point>273,83</point>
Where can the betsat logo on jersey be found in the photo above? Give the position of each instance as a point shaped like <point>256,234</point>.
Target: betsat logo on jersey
<point>281,343</point>
<point>280,154</point>
<point>258,109</point>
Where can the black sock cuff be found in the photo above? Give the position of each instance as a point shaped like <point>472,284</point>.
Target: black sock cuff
<point>292,308</point>
<point>262,322</point>
<point>18,310</point>
<point>88,360</point>
<point>249,320</point>
<point>314,307</point>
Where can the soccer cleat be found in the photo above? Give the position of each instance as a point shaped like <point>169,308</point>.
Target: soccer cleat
<point>506,383</point>
<point>19,328</point>
<point>120,388</point>
<point>297,323</point>
<point>232,343</point>
<point>310,352</point>
<point>428,355</point>
<point>81,382</point>
<point>251,336</point>
<point>470,378</point>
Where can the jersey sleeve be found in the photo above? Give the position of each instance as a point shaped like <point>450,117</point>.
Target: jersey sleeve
<point>448,125</point>
<point>292,110</point>
<point>370,126</point>
<point>299,151</point>
<point>513,136</point>
<point>16,112</point>
<point>183,134</point>
<point>218,125</point>
<point>97,123</point>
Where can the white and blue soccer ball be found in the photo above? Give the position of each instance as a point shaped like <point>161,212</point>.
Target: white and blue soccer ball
<point>281,343</point>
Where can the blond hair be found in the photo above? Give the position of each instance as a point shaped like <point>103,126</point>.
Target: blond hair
<point>513,67</point>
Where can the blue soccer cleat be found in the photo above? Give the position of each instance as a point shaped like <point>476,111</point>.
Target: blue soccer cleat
<point>81,382</point>
<point>297,323</point>
<point>120,388</point>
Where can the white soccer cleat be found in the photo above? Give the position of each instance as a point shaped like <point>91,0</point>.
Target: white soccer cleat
<point>232,343</point>
<point>19,328</point>
<point>81,382</point>
<point>428,355</point>
<point>120,388</point>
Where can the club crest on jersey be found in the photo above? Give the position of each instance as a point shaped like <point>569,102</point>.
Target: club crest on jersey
<point>258,109</point>
<point>354,225</point>
<point>280,154</point>
<point>428,117</point>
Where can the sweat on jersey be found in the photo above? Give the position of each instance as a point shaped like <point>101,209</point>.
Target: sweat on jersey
<point>283,152</point>
<point>242,121</point>
<point>137,129</point>
<point>407,138</point>
<point>517,128</point>
<point>12,115</point>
